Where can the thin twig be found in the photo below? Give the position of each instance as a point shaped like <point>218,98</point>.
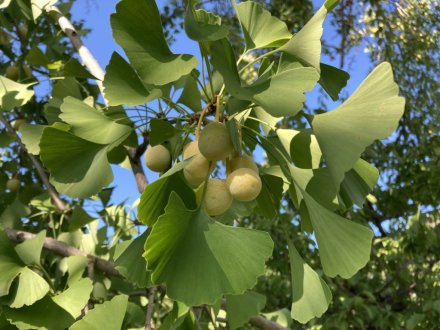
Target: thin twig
<point>58,202</point>
<point>150,309</point>
<point>63,249</point>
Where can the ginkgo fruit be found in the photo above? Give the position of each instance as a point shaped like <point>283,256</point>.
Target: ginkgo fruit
<point>197,170</point>
<point>12,72</point>
<point>17,123</point>
<point>215,142</point>
<point>157,158</point>
<point>244,161</point>
<point>217,197</point>
<point>13,184</point>
<point>244,184</point>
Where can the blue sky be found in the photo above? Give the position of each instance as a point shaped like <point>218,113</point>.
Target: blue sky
<point>96,15</point>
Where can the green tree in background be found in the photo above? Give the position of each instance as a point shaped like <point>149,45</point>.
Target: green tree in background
<point>196,252</point>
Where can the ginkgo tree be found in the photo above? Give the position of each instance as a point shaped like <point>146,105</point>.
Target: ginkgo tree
<point>178,264</point>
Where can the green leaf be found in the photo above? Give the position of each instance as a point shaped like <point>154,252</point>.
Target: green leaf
<point>240,308</point>
<point>78,167</point>
<point>283,93</point>
<point>358,183</point>
<point>38,7</point>
<point>42,315</point>
<point>30,136</point>
<point>13,94</point>
<point>79,218</point>
<point>371,113</point>
<point>161,131</point>
<point>310,294</point>
<point>129,261</point>
<point>108,315</point>
<point>302,147</point>
<point>31,288</point>
<point>36,57</point>
<point>344,245</point>
<point>137,28</point>
<point>75,298</point>
<point>201,25</point>
<point>306,44</point>
<point>333,80</point>
<point>10,264</point>
<point>330,4</point>
<point>73,68</point>
<point>190,94</point>
<point>30,250</point>
<point>260,28</point>
<point>156,194</point>
<point>75,267</point>
<point>91,124</point>
<point>69,86</point>
<point>270,196</point>
<point>212,259</point>
<point>122,84</point>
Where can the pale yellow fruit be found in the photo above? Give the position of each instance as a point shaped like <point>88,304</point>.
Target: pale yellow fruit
<point>22,31</point>
<point>157,158</point>
<point>13,184</point>
<point>244,161</point>
<point>215,142</point>
<point>217,197</point>
<point>244,184</point>
<point>12,72</point>
<point>17,123</point>
<point>197,170</point>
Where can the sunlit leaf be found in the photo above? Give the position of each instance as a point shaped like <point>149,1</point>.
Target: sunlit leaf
<point>13,94</point>
<point>30,250</point>
<point>371,113</point>
<point>212,259</point>
<point>137,28</point>
<point>10,264</point>
<point>75,298</point>
<point>30,136</point>
<point>260,28</point>
<point>108,315</point>
<point>310,294</point>
<point>31,288</point>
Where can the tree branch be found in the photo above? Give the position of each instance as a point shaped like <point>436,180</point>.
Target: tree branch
<point>64,249</point>
<point>58,202</point>
<point>150,309</point>
<point>95,69</point>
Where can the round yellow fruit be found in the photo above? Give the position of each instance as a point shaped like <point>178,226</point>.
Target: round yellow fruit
<point>12,72</point>
<point>217,197</point>
<point>197,170</point>
<point>17,123</point>
<point>244,161</point>
<point>215,142</point>
<point>157,158</point>
<point>13,184</point>
<point>244,184</point>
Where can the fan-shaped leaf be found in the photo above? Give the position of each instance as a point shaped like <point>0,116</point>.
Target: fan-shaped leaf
<point>31,288</point>
<point>13,94</point>
<point>200,259</point>
<point>137,28</point>
<point>75,298</point>
<point>240,308</point>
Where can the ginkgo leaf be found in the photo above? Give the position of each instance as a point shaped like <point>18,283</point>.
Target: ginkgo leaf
<point>240,308</point>
<point>78,167</point>
<point>333,80</point>
<point>201,25</point>
<point>92,125</point>
<point>129,261</point>
<point>39,5</point>
<point>43,314</point>
<point>344,245</point>
<point>137,28</point>
<point>13,94</point>
<point>30,250</point>
<point>30,136</point>
<point>31,288</point>
<point>108,315</point>
<point>212,259</point>
<point>10,264</point>
<point>306,44</point>
<point>310,294</point>
<point>260,28</point>
<point>122,84</point>
<point>75,298</point>
<point>371,113</point>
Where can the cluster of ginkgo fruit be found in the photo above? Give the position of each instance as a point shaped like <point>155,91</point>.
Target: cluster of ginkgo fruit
<point>214,144</point>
